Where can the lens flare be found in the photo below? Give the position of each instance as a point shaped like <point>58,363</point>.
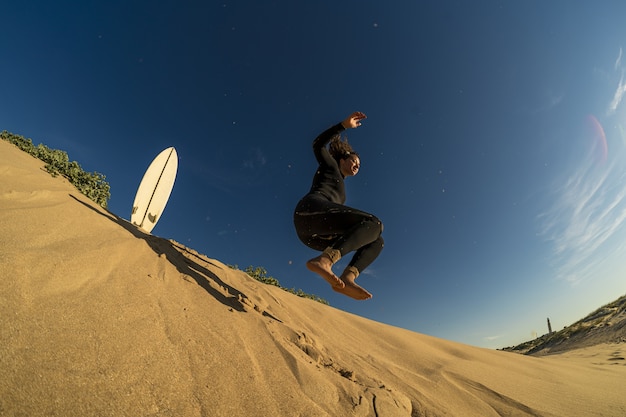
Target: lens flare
<point>600,146</point>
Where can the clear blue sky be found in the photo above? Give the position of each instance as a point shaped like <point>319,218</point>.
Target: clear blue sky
<point>483,152</point>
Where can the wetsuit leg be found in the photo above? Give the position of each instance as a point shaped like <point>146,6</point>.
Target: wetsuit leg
<point>365,255</point>
<point>321,223</point>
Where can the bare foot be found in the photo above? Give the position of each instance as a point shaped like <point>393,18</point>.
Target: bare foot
<point>321,265</point>
<point>351,289</point>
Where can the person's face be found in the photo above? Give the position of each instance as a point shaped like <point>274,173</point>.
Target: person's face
<point>350,165</point>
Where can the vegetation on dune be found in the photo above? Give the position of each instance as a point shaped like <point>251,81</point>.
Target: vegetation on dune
<point>91,184</point>
<point>260,274</point>
<point>94,186</point>
<point>605,325</point>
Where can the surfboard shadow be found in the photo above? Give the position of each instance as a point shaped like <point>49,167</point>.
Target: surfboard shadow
<point>187,254</point>
<point>183,264</point>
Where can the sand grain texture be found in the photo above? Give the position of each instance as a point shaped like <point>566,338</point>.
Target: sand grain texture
<point>99,319</point>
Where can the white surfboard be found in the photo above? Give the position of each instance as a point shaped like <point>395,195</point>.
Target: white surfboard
<point>154,190</point>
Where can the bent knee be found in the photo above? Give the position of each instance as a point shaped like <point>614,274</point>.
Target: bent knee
<point>379,224</point>
<point>376,223</point>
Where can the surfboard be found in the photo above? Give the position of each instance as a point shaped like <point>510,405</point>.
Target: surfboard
<point>154,190</point>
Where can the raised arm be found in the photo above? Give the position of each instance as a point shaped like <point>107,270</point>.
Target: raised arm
<point>319,144</point>
<point>354,120</point>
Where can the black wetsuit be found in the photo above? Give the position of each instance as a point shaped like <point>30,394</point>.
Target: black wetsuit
<point>323,221</point>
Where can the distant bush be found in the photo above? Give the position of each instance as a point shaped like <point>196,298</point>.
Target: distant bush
<point>91,184</point>
<point>260,274</point>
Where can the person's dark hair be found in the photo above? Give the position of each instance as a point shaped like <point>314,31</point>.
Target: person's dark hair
<point>340,149</point>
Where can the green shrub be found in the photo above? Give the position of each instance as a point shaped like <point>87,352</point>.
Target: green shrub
<point>260,274</point>
<point>91,184</point>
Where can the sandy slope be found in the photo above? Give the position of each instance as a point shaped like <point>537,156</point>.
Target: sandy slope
<point>99,319</point>
<point>605,325</point>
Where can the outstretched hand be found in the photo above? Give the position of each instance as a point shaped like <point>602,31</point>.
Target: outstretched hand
<point>354,120</point>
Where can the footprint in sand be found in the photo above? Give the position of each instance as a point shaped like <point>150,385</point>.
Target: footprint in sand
<point>616,356</point>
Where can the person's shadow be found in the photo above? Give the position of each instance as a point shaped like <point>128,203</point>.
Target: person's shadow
<point>236,299</point>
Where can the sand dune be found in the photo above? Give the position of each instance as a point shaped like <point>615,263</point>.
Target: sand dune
<point>605,325</point>
<point>100,319</point>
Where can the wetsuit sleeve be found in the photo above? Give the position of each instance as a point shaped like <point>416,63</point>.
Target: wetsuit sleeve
<point>319,144</point>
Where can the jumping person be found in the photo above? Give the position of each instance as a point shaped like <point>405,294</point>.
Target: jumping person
<point>325,224</point>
